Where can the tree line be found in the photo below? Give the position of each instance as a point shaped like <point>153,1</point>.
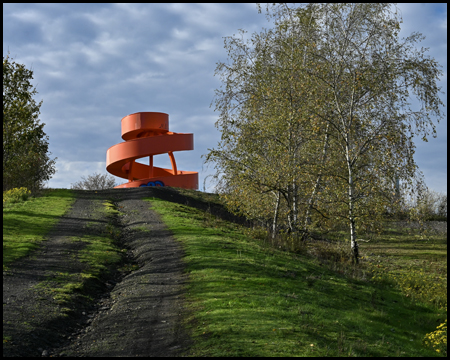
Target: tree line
<point>318,121</point>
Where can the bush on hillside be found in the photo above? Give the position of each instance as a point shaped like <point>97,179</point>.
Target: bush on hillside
<point>15,195</point>
<point>95,182</point>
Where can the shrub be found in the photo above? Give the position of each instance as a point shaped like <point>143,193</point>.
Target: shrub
<point>438,339</point>
<point>337,256</point>
<point>15,195</point>
<point>426,288</point>
<point>417,285</point>
<point>95,182</point>
<point>429,205</point>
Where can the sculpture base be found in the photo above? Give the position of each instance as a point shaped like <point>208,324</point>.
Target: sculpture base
<point>184,179</point>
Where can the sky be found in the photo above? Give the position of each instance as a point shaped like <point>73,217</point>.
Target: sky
<point>94,64</point>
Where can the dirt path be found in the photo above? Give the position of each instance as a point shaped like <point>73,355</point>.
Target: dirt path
<point>134,314</point>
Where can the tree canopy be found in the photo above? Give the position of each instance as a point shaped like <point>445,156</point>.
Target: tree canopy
<point>26,161</point>
<point>318,119</point>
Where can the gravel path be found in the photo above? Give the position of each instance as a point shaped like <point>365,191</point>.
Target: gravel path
<point>134,314</point>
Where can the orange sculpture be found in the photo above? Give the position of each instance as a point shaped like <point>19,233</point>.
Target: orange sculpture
<point>147,134</point>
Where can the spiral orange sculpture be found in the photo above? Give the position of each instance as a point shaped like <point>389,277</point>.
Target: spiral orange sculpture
<point>147,134</point>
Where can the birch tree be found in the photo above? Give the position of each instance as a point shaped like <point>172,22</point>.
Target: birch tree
<point>329,95</point>
<point>264,122</point>
<point>371,77</point>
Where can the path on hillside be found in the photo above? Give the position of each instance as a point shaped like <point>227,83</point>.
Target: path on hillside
<point>134,314</point>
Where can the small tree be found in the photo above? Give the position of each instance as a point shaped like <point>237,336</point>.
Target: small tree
<point>442,206</point>
<point>95,182</point>
<point>429,205</point>
<point>26,161</point>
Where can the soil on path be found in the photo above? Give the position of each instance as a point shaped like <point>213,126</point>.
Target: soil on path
<point>135,313</point>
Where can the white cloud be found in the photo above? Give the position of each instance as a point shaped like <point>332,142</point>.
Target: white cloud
<point>33,16</point>
<point>180,34</point>
<point>108,44</point>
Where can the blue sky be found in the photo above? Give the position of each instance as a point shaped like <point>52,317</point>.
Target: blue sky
<point>96,63</point>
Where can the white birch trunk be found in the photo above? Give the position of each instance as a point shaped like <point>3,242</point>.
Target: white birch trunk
<point>354,244</point>
<point>275,216</point>
<point>317,184</point>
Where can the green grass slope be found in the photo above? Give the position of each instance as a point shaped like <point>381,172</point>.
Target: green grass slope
<point>26,223</point>
<point>248,300</point>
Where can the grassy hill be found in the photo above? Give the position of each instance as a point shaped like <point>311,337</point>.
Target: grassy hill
<point>245,298</point>
<point>248,299</point>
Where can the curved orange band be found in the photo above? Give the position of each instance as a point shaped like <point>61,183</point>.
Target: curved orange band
<point>147,134</point>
